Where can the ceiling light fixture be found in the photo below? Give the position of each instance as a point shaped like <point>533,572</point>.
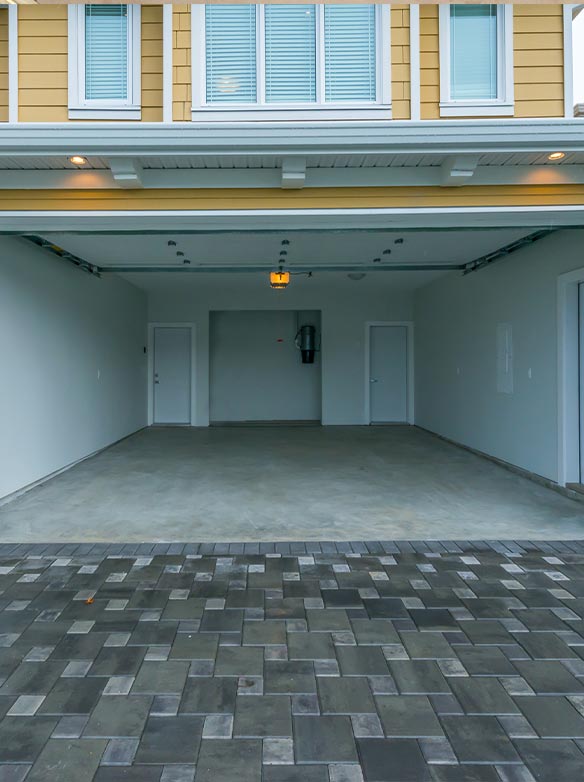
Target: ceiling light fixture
<point>280,279</point>
<point>556,155</point>
<point>78,160</point>
<point>355,276</point>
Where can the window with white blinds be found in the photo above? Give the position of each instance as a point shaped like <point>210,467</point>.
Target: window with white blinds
<point>104,49</point>
<point>106,52</point>
<point>290,40</point>
<point>230,52</point>
<point>473,52</point>
<point>288,57</point>
<point>349,48</point>
<point>476,60</point>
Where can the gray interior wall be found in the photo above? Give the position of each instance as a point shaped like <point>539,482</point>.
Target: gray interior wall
<point>59,328</point>
<point>256,372</point>
<point>345,308</point>
<point>456,319</point>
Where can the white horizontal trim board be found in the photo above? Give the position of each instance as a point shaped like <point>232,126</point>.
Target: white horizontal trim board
<point>423,176</point>
<point>45,222</point>
<point>343,137</point>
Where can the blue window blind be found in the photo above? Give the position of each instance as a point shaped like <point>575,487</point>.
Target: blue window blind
<point>290,36</point>
<point>473,52</point>
<point>106,52</point>
<point>349,51</point>
<point>230,43</point>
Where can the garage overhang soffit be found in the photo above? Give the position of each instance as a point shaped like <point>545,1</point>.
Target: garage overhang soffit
<point>397,154</point>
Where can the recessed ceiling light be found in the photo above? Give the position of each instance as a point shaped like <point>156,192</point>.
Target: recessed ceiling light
<point>179,253</point>
<point>387,252</point>
<point>283,252</point>
<point>78,160</point>
<point>171,243</point>
<point>399,241</point>
<point>377,260</point>
<point>356,276</point>
<point>556,155</point>
<point>285,242</point>
<point>186,260</point>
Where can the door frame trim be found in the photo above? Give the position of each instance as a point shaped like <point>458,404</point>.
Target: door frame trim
<point>409,325</point>
<point>568,377</point>
<point>150,373</point>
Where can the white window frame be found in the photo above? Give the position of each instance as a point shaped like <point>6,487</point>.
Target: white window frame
<point>79,106</point>
<point>504,104</point>
<point>319,110</point>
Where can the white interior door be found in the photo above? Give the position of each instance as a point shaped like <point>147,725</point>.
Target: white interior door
<point>172,375</point>
<point>388,374</point>
<point>581,373</point>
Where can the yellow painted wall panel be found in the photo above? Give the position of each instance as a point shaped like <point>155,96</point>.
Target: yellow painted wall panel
<point>429,63</point>
<point>313,198</point>
<point>151,51</point>
<point>3,64</point>
<point>550,108</point>
<point>400,58</point>
<point>530,58</point>
<point>540,75</point>
<point>538,60</point>
<point>42,30</point>
<point>181,71</point>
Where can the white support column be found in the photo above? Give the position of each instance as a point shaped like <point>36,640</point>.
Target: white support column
<point>13,63</point>
<point>167,62</point>
<point>415,106</point>
<point>568,62</point>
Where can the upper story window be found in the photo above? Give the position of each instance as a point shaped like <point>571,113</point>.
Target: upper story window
<point>281,61</point>
<point>104,61</point>
<point>476,60</point>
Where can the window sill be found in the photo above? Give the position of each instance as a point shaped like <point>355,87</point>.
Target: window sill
<point>476,109</point>
<point>269,114</point>
<point>103,112</point>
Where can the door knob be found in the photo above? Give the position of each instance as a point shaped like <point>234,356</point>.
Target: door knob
<point>373,380</point>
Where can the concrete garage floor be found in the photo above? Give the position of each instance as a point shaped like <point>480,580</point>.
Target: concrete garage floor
<point>289,483</point>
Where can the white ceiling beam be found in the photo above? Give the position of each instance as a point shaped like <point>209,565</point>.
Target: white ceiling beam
<point>127,173</point>
<point>458,170</point>
<point>293,173</point>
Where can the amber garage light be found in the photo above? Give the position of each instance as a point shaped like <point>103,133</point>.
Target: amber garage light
<point>556,155</point>
<point>279,280</point>
<point>78,160</point>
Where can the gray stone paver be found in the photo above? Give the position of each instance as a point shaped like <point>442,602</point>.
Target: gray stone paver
<point>379,661</point>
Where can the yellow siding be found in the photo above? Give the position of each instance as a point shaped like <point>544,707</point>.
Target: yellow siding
<point>313,198</point>
<point>3,65</point>
<point>152,63</point>
<point>181,63</point>
<point>539,60</point>
<point>42,63</point>
<point>429,63</point>
<point>400,61</point>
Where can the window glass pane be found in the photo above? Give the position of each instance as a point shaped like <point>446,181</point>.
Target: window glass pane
<point>290,53</point>
<point>106,52</point>
<point>349,49</point>
<point>230,43</point>
<point>473,52</point>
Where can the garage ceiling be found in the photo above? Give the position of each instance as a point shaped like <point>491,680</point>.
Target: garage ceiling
<point>306,249</point>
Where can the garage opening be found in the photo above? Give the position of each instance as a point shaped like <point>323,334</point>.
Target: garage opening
<point>257,374</point>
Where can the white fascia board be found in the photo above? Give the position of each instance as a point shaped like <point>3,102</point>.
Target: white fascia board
<point>422,176</point>
<point>289,138</point>
<point>47,222</point>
